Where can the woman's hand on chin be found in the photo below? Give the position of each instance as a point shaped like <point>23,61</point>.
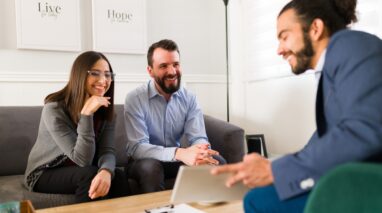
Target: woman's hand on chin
<point>93,103</point>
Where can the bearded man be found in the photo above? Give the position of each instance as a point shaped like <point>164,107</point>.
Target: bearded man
<point>157,115</point>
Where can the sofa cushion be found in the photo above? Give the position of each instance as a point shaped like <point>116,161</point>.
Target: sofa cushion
<point>12,189</point>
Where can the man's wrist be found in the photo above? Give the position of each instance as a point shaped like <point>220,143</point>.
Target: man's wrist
<point>178,154</point>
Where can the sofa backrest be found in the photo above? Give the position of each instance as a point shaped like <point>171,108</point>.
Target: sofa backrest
<point>19,128</point>
<point>18,133</point>
<point>120,136</point>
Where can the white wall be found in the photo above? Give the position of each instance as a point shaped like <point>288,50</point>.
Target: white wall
<point>27,76</point>
<point>262,100</point>
<point>279,106</point>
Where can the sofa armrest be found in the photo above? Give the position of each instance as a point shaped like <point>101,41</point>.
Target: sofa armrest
<point>353,187</point>
<point>226,138</point>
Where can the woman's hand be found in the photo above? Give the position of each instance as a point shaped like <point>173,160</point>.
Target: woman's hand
<point>93,103</point>
<point>100,184</point>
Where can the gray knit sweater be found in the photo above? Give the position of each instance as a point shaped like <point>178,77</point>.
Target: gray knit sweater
<point>59,139</point>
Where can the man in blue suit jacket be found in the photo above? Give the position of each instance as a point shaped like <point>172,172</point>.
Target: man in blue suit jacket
<point>312,35</point>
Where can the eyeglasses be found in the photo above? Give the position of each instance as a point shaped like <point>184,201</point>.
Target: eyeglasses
<point>98,74</point>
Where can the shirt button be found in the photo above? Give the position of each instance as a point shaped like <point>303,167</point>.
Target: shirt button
<point>307,183</point>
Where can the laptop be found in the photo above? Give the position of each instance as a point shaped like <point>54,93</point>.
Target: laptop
<point>196,184</point>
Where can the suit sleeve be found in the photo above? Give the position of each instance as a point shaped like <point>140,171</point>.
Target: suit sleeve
<point>353,79</point>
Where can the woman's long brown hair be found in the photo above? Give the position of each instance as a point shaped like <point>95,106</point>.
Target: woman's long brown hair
<point>73,95</point>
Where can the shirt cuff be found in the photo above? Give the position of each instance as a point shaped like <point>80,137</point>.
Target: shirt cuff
<point>169,154</point>
<point>201,141</point>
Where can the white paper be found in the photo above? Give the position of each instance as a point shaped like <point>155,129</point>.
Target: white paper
<point>186,209</point>
<point>179,208</point>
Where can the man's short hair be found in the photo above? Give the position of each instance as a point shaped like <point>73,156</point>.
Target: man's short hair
<point>166,44</point>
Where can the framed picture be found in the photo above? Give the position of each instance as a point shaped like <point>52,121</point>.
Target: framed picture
<point>48,24</point>
<point>256,143</point>
<point>119,26</point>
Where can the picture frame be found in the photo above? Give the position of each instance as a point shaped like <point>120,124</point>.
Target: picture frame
<point>256,143</point>
<point>119,26</point>
<point>48,24</point>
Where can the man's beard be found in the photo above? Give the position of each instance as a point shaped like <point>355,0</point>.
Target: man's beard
<point>171,88</point>
<point>304,56</point>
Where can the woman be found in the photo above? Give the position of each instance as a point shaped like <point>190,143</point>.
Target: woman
<point>74,152</point>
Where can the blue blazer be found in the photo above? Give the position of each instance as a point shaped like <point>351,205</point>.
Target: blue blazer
<point>348,114</point>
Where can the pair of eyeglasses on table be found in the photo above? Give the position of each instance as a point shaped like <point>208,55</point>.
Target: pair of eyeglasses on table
<point>161,209</point>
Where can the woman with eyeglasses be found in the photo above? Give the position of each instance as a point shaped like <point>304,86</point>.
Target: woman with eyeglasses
<point>74,152</point>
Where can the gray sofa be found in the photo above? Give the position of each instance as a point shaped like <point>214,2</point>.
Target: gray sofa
<point>18,132</point>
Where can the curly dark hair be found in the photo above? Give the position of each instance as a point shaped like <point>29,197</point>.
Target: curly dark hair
<point>336,14</point>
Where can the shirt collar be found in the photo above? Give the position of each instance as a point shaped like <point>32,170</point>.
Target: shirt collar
<point>320,65</point>
<point>321,62</point>
<point>154,92</point>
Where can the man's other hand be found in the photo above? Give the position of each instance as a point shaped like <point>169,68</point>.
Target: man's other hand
<point>197,154</point>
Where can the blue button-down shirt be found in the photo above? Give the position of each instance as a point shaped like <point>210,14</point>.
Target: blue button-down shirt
<point>154,126</point>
